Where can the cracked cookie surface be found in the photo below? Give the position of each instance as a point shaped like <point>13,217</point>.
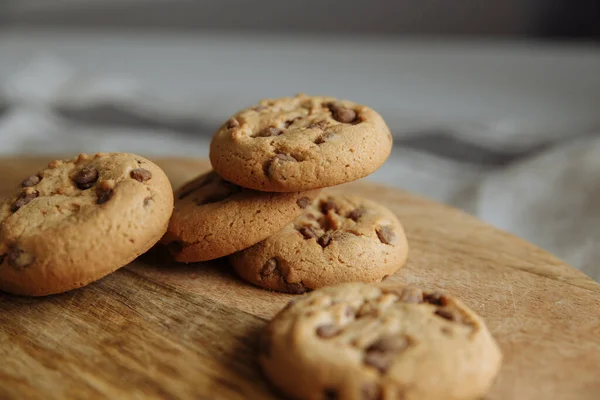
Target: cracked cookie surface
<point>78,220</point>
<point>337,239</point>
<point>361,341</point>
<point>300,143</point>
<point>214,218</point>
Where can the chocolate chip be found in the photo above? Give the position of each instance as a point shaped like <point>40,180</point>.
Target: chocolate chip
<point>330,394</point>
<point>270,268</point>
<point>148,201</point>
<point>295,288</point>
<point>324,137</point>
<point>269,163</point>
<point>303,202</point>
<point>370,391</point>
<point>437,299</point>
<point>411,295</point>
<point>141,174</point>
<point>325,239</point>
<point>328,205</point>
<point>104,195</point>
<point>446,314</point>
<point>31,181</point>
<point>232,123</point>
<point>386,235</point>
<point>86,178</point>
<point>24,199</point>
<point>308,232</point>
<point>390,343</point>
<point>269,131</point>
<point>342,114</point>
<point>327,331</point>
<point>381,353</point>
<point>19,259</point>
<point>356,214</point>
<point>2,256</point>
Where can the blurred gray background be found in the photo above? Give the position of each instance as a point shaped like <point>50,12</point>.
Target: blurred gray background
<point>494,105</point>
<point>506,18</point>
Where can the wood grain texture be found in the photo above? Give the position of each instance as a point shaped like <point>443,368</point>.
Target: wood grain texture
<point>158,330</point>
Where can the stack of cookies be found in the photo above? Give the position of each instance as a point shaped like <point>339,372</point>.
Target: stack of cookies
<point>262,204</point>
<point>262,207</point>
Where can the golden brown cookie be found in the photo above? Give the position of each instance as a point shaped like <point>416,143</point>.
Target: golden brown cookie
<point>360,341</point>
<point>214,218</point>
<point>79,220</point>
<point>338,239</point>
<point>300,143</point>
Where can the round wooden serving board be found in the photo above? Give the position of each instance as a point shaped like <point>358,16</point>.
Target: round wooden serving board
<point>155,329</point>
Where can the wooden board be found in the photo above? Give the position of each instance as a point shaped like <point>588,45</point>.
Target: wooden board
<point>159,330</point>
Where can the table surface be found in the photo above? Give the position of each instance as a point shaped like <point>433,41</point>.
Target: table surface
<point>155,329</point>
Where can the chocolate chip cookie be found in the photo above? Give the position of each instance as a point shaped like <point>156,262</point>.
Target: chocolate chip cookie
<point>300,143</point>
<point>360,341</point>
<point>214,218</point>
<point>78,220</point>
<point>338,239</point>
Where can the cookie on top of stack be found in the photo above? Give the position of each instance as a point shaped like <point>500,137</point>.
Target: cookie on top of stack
<point>261,204</point>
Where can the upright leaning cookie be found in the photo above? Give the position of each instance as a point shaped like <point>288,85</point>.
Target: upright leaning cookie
<point>214,218</point>
<point>78,220</point>
<point>300,143</point>
<point>359,341</point>
<point>338,239</point>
